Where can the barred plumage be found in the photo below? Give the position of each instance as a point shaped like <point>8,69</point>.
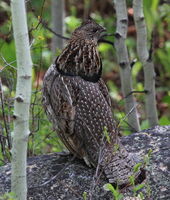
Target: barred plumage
<point>77,102</point>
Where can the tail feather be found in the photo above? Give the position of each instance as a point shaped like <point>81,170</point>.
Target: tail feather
<point>119,165</point>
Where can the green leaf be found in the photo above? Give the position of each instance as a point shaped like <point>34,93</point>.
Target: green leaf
<point>164,121</point>
<point>154,5</point>
<point>109,187</point>
<point>149,152</point>
<point>104,47</point>
<point>72,22</point>
<point>84,195</point>
<point>8,196</point>
<point>136,167</point>
<point>147,157</point>
<point>132,180</point>
<point>106,134</point>
<point>141,196</point>
<point>166,99</point>
<point>137,188</point>
<point>145,124</point>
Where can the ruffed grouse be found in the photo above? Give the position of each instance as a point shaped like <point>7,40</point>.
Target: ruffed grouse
<point>77,102</point>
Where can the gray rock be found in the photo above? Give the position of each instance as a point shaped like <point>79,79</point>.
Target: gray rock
<point>62,177</point>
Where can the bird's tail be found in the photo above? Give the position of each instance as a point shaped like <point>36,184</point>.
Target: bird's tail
<point>119,165</point>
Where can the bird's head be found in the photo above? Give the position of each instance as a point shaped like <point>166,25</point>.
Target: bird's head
<point>89,29</point>
<point>80,57</point>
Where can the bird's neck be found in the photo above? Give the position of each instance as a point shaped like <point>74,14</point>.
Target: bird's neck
<point>80,58</point>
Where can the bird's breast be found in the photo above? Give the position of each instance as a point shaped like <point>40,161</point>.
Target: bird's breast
<point>83,61</point>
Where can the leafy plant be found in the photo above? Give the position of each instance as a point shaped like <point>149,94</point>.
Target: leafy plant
<point>106,134</point>
<point>147,157</point>
<point>115,191</point>
<point>138,187</point>
<point>137,167</point>
<point>84,195</point>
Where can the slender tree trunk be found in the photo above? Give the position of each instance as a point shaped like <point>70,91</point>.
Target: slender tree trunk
<point>149,73</point>
<point>22,100</point>
<point>123,59</point>
<point>57,11</point>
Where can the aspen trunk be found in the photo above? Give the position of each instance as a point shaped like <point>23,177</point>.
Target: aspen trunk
<point>123,59</point>
<point>57,12</point>
<point>22,100</point>
<point>149,73</point>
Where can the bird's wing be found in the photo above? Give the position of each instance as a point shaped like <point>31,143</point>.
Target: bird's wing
<point>59,99</point>
<point>93,114</point>
<point>104,91</point>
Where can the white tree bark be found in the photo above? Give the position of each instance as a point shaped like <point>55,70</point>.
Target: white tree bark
<point>149,73</point>
<point>22,100</point>
<point>57,12</point>
<point>123,59</point>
